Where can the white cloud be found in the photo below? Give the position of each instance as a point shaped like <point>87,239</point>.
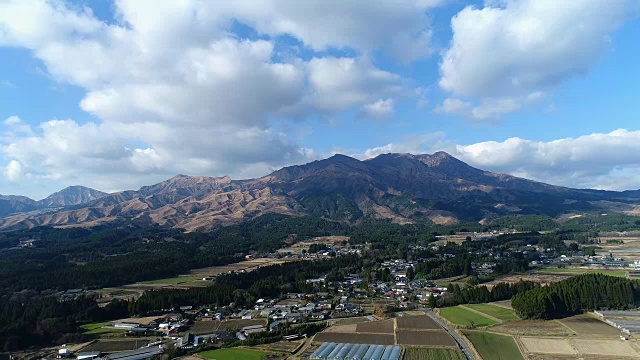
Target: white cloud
<point>15,126</point>
<point>7,84</point>
<point>401,28</point>
<point>336,84</point>
<point>176,92</point>
<point>509,51</point>
<point>489,109</point>
<point>379,109</point>
<point>454,106</point>
<point>599,160</point>
<point>13,171</point>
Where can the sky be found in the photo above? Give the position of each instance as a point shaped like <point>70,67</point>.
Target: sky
<point>119,94</point>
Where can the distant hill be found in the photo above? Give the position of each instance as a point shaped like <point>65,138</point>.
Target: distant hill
<point>72,195</point>
<point>401,187</point>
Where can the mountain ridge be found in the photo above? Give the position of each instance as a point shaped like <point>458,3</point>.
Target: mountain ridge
<point>71,195</point>
<point>401,187</point>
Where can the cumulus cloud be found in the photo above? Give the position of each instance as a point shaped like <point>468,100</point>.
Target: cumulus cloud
<point>599,160</point>
<point>175,90</point>
<point>379,109</point>
<point>13,171</point>
<point>509,52</point>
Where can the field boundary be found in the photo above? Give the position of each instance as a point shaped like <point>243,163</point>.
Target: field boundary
<point>473,349</point>
<point>482,313</point>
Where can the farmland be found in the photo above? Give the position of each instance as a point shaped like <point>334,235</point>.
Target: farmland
<point>170,281</point>
<point>495,311</point>
<point>533,328</point>
<point>208,327</point>
<point>463,317</point>
<point>232,354</point>
<point>424,338</point>
<point>185,281</point>
<point>565,271</point>
<point>598,348</point>
<point>109,346</point>
<point>377,327</point>
<point>494,346</point>
<point>405,330</point>
<point>586,325</point>
<point>354,338</point>
<point>433,354</point>
<point>556,346</point>
<point>99,328</point>
<point>417,322</point>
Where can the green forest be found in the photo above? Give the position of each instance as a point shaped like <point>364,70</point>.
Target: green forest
<point>576,295</point>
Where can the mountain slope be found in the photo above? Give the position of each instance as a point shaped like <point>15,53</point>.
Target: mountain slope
<point>72,195</point>
<point>401,187</point>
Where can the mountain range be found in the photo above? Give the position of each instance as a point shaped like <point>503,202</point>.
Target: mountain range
<point>401,187</point>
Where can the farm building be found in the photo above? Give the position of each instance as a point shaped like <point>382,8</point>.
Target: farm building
<point>341,351</point>
<point>88,355</point>
<point>140,354</point>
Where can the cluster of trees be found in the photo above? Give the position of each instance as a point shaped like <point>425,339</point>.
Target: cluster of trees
<point>118,254</point>
<point>27,319</point>
<point>437,268</point>
<point>245,288</point>
<point>575,295</point>
<point>481,294</point>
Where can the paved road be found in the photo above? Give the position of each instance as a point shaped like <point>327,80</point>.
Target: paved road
<point>461,343</point>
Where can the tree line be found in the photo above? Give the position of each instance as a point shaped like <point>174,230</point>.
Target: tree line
<point>575,295</point>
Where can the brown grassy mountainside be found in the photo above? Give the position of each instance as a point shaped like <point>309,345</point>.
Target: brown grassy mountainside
<point>400,187</point>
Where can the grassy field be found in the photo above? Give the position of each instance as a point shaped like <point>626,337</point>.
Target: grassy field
<point>97,328</point>
<point>493,346</point>
<point>232,354</point>
<point>433,354</point>
<point>563,271</point>
<point>464,317</point>
<point>498,312</point>
<point>171,281</point>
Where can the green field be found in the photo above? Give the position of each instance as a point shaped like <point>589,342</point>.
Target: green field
<point>464,317</point>
<point>495,311</point>
<point>171,281</point>
<point>97,328</point>
<point>232,354</point>
<point>493,346</point>
<point>433,354</point>
<point>563,271</point>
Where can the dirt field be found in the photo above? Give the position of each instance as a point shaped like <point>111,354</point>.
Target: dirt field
<point>547,346</point>
<point>208,327</point>
<point>533,328</point>
<point>350,321</point>
<point>587,325</point>
<point>613,348</point>
<point>247,265</point>
<point>544,279</point>
<point>109,346</point>
<point>433,354</point>
<point>280,346</point>
<point>377,327</point>
<point>417,322</point>
<point>301,246</point>
<point>344,329</point>
<point>425,338</point>
<point>379,339</point>
<point>142,320</point>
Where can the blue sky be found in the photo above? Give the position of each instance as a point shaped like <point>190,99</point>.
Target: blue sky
<point>116,95</point>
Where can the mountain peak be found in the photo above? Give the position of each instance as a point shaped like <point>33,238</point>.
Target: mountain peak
<point>71,195</point>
